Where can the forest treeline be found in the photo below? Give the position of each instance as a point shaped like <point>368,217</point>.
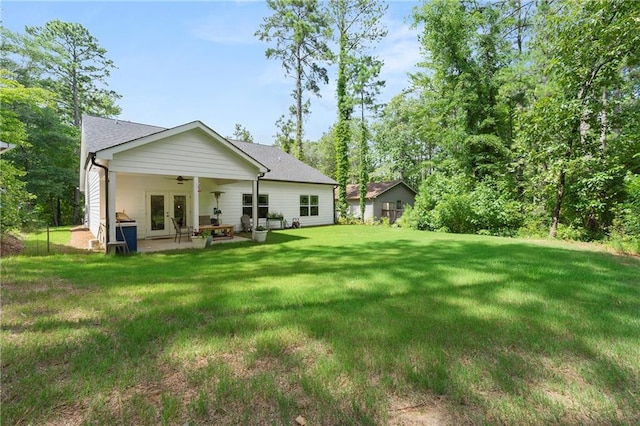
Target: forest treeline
<point>523,119</point>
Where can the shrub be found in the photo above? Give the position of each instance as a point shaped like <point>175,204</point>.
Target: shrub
<point>14,198</point>
<point>569,232</point>
<point>630,215</point>
<point>455,213</point>
<point>494,211</point>
<point>348,220</point>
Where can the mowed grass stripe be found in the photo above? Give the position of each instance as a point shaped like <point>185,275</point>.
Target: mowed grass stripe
<point>342,325</point>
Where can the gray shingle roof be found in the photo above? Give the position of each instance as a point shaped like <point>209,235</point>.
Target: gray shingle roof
<point>282,166</point>
<point>374,189</point>
<point>102,133</point>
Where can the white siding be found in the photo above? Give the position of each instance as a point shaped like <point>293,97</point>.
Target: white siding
<point>92,201</point>
<point>354,209</point>
<point>191,153</point>
<point>284,197</point>
<point>131,197</point>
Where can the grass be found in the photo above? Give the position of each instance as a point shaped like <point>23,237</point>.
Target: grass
<point>45,241</point>
<point>340,325</point>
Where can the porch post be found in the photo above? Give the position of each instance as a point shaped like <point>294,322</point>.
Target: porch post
<point>195,209</point>
<point>111,205</point>
<point>255,206</point>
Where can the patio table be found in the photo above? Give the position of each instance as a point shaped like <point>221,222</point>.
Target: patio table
<point>226,231</point>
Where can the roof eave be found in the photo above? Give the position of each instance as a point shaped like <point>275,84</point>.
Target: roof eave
<point>107,153</point>
<point>297,181</point>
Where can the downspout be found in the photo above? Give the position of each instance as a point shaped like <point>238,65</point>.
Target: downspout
<point>106,194</point>
<point>260,175</point>
<point>257,212</point>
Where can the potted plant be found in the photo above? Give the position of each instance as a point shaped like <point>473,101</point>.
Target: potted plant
<point>207,238</point>
<point>217,212</point>
<point>260,234</point>
<point>275,216</point>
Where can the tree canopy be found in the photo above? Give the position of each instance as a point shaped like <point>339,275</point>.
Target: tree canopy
<point>299,30</point>
<point>522,119</point>
<point>52,75</point>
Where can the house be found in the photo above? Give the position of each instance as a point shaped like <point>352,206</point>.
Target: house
<point>150,174</point>
<point>383,199</point>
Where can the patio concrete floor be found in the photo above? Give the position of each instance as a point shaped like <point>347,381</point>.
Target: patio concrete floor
<point>164,244</point>
<point>81,236</point>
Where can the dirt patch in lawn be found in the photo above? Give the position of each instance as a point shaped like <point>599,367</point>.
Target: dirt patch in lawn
<point>10,245</point>
<point>412,412</point>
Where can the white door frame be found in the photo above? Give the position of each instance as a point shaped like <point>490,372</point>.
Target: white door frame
<point>168,212</point>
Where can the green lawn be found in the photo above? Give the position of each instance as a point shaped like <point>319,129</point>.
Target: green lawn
<point>339,325</point>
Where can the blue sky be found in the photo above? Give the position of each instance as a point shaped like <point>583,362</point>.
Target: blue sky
<point>184,61</point>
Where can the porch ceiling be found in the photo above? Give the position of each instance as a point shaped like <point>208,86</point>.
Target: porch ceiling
<point>217,181</point>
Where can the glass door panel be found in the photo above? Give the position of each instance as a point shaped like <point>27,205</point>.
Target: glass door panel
<point>180,209</point>
<point>158,223</point>
<point>157,212</point>
<point>161,207</point>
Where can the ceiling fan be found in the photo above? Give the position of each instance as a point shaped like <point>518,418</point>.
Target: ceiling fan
<point>180,179</point>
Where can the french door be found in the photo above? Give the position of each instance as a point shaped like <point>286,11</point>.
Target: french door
<point>161,207</point>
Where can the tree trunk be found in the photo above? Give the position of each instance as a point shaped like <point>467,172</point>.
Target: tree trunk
<point>364,172</point>
<point>298,147</point>
<point>603,123</point>
<point>342,131</point>
<point>74,94</point>
<point>54,210</point>
<point>555,219</point>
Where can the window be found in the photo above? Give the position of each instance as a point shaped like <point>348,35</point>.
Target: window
<point>309,205</point>
<point>399,205</point>
<point>263,205</point>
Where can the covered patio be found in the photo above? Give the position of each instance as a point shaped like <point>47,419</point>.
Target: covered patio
<point>158,180</point>
<point>81,239</point>
<point>164,244</point>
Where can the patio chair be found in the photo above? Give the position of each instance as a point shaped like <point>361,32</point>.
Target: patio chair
<point>245,220</point>
<point>204,220</point>
<point>181,230</point>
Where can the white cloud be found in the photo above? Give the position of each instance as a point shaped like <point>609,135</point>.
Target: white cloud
<point>400,50</point>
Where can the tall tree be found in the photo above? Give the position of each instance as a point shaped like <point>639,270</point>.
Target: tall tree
<point>358,24</point>
<point>241,133</point>
<point>299,29</point>
<point>407,139</point>
<point>585,50</point>
<point>321,154</point>
<point>50,162</point>
<point>66,59</point>
<point>466,52</point>
<point>366,87</point>
<point>14,195</point>
<point>74,66</point>
<point>285,137</point>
